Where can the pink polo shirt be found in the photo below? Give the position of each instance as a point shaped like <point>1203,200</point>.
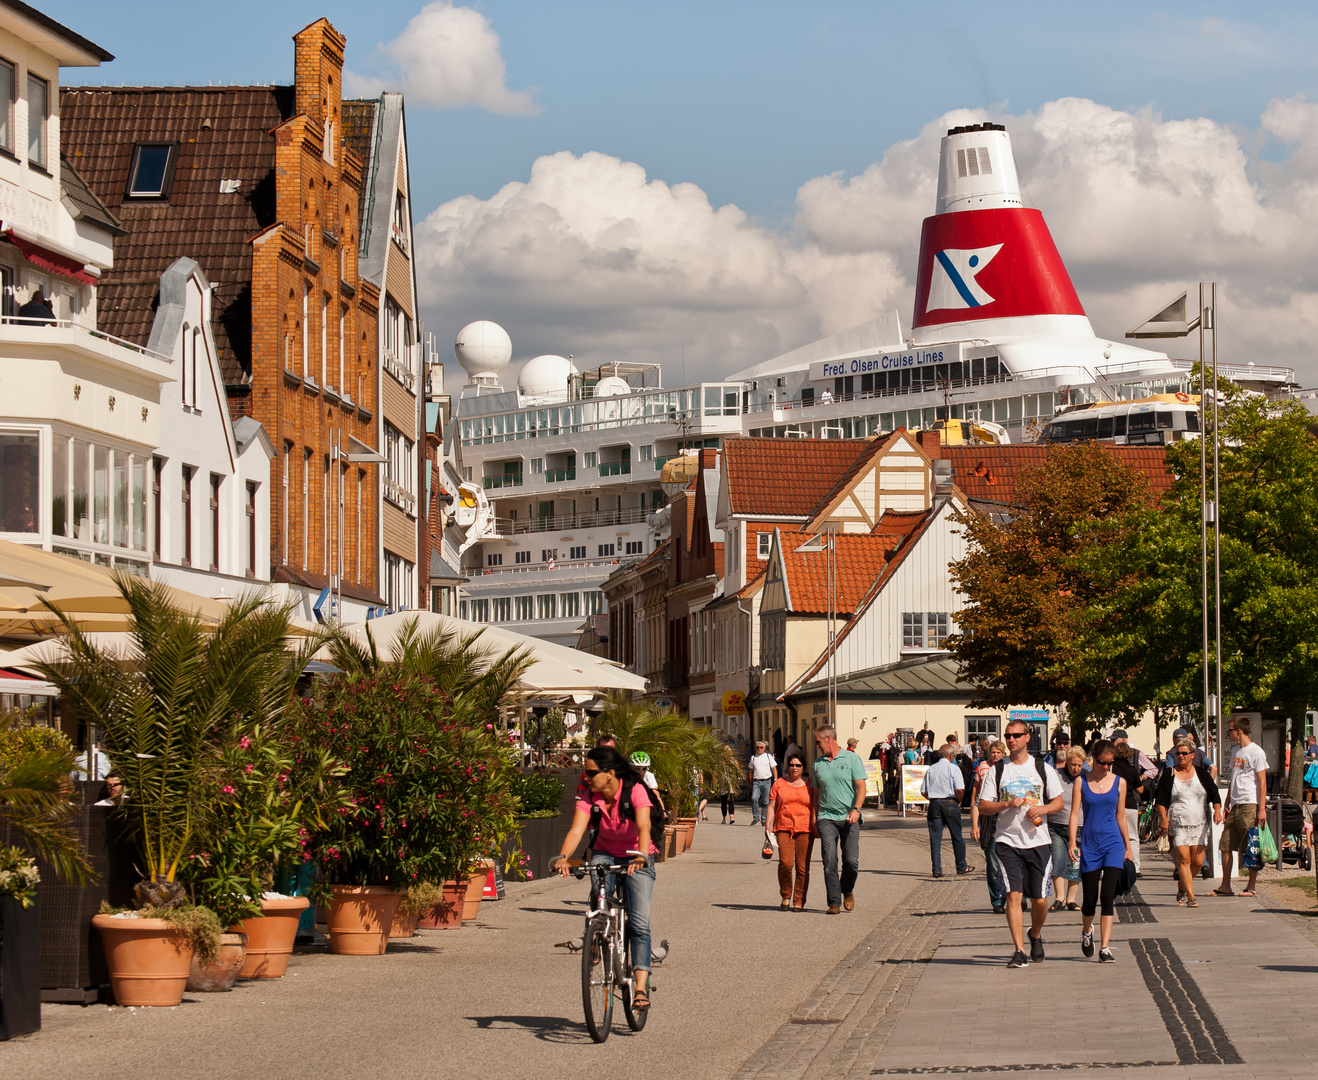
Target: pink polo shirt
<point>617,834</point>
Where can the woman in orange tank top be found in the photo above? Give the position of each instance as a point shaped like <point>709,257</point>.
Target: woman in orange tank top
<point>789,822</point>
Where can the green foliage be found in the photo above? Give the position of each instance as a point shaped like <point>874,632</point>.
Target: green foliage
<point>1144,626</point>
<point>420,898</point>
<point>683,755</point>
<point>164,717</point>
<point>35,795</point>
<point>428,784</point>
<point>537,793</point>
<point>1027,584</point>
<point>199,924</point>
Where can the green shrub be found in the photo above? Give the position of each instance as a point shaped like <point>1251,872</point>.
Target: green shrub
<point>19,741</point>
<point>538,794</point>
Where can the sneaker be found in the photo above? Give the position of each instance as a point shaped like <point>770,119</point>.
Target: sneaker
<point>998,909</point>
<point>1087,943</point>
<point>1036,948</point>
<point>1105,956</point>
<point>1017,959</point>
<point>833,909</point>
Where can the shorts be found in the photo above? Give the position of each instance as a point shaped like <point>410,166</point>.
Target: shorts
<point>1027,871</point>
<point>1236,825</point>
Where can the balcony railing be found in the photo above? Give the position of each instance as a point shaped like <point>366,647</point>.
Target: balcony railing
<point>615,468</point>
<point>507,480</point>
<point>558,476</point>
<point>42,325</point>
<point>591,519</point>
<point>562,568</point>
<point>399,496</point>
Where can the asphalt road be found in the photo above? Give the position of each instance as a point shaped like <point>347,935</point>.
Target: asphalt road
<point>497,998</point>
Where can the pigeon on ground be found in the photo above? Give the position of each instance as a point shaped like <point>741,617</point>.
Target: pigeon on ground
<point>573,946</point>
<point>660,952</point>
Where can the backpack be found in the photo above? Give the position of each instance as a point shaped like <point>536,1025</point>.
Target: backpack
<point>658,815</point>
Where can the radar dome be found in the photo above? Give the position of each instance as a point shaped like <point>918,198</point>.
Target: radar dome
<point>483,348</point>
<point>612,386</point>
<point>546,375</point>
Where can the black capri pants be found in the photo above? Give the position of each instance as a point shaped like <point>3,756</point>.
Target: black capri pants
<point>729,802</point>
<point>1089,881</point>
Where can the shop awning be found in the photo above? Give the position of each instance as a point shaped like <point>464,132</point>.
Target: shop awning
<point>50,261</point>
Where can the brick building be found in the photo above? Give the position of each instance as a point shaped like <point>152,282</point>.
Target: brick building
<point>267,189</point>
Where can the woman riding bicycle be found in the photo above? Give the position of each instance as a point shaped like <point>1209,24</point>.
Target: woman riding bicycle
<point>611,777</point>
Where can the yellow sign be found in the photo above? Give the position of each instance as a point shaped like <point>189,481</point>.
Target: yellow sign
<point>912,781</point>
<point>734,703</point>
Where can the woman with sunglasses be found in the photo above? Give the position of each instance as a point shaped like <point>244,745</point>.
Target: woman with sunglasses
<point>788,822</point>
<point>617,806</point>
<point>1182,798</point>
<point>1101,797</point>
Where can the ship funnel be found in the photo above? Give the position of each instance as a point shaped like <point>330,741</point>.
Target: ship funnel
<point>988,265</point>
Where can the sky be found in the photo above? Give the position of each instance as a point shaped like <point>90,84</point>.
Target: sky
<point>708,185</point>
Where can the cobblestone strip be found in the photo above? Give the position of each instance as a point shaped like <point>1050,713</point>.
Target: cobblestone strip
<point>1133,908</point>
<point>850,1014</point>
<point>1195,1030</point>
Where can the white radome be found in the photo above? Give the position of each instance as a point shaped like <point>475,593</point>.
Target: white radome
<point>612,386</point>
<point>545,375</point>
<point>483,348</point>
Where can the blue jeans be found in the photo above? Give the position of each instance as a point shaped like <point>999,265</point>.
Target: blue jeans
<point>831,835</point>
<point>760,801</point>
<point>946,812</point>
<point>997,887</point>
<point>638,889</point>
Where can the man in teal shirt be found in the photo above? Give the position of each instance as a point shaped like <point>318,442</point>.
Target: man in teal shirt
<point>840,781</point>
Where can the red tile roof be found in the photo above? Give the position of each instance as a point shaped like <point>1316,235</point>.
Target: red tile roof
<point>861,559</point>
<point>989,473</point>
<point>873,448</point>
<point>223,133</point>
<point>783,477</point>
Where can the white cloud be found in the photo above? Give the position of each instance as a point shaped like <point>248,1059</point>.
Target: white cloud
<point>590,256</point>
<point>445,57</point>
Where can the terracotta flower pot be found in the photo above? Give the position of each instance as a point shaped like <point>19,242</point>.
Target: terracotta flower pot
<point>148,959</point>
<point>670,842</point>
<point>448,912</point>
<point>222,972</point>
<point>404,925</point>
<point>471,903</point>
<point>270,937</point>
<point>360,917</point>
<point>679,839</point>
<point>689,824</point>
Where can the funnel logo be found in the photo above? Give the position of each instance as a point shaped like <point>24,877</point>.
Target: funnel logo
<point>953,284</point>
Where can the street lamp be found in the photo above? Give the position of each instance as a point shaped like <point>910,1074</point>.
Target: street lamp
<point>357,452</point>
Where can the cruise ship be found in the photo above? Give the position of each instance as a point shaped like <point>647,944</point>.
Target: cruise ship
<point>565,471</point>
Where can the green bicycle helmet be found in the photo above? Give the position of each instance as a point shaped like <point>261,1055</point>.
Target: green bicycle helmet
<point>640,759</point>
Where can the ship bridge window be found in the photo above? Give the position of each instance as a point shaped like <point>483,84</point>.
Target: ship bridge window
<point>1143,421</point>
<point>1192,421</point>
<point>1165,420</point>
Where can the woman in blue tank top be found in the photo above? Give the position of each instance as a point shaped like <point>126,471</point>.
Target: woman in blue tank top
<point>1105,845</point>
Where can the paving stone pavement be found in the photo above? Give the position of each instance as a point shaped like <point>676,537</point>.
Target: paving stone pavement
<point>1228,989</point>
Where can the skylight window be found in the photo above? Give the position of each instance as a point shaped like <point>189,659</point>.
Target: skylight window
<point>152,171</point>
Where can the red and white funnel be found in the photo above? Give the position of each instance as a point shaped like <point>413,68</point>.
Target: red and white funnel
<point>988,265</point>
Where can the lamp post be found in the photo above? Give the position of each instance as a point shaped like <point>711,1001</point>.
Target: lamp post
<point>356,452</point>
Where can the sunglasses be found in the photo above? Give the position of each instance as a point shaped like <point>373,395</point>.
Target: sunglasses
<point>1018,734</point>
<point>1185,753</point>
<point>795,765</point>
<point>1106,764</point>
<point>588,773</point>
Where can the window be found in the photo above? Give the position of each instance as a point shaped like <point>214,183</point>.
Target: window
<point>7,105</point>
<point>20,482</point>
<point>521,556</point>
<point>157,488</point>
<point>325,513</point>
<point>38,111</point>
<point>912,630</point>
<point>283,531</point>
<point>503,608</point>
<point>763,542</point>
<point>216,481</point>
<point>577,552</point>
<point>569,605</point>
<point>591,459</point>
<point>936,629</point>
<point>306,506</point>
<point>398,227</point>
<point>546,606</point>
<point>635,547</point>
<point>606,551</point>
<point>596,603</point>
<point>399,587</point>
<point>537,465</point>
<point>647,453</point>
<point>343,322</point>
<point>188,472</point>
<point>306,331</point>
<point>324,339</point>
<point>981,727</point>
<point>251,528</point>
<point>494,560</point>
<point>548,554</point>
<point>151,172</point>
<point>480,611</point>
<point>924,630</point>
<point>525,607</point>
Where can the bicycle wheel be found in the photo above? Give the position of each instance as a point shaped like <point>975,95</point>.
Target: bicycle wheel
<point>635,1017</point>
<point>597,978</point>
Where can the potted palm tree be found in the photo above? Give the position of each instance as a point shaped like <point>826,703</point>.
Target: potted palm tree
<point>163,717</point>
<point>36,811</point>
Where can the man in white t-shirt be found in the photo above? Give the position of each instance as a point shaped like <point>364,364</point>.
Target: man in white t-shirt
<point>762,772</point>
<point>1246,801</point>
<point>1029,791</point>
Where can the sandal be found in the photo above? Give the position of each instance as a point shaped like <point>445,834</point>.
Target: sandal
<point>1072,906</point>
<point>1057,906</point>
<point>1247,892</point>
<point>641,999</point>
<point>1192,902</point>
<point>1180,898</point>
<point>1219,892</point>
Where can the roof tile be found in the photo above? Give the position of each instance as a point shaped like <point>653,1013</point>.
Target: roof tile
<point>783,477</point>
<point>990,473</point>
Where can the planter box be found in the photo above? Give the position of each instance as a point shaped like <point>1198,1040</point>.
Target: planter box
<point>20,968</point>
<point>542,838</point>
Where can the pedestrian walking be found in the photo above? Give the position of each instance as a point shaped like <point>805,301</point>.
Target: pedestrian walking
<point>728,801</point>
<point>1127,767</point>
<point>1022,791</point>
<point>840,793</point>
<point>1246,801</point>
<point>1182,799</point>
<point>1065,889</point>
<point>1056,757</point>
<point>943,786</point>
<point>1104,848</point>
<point>762,772</point>
<point>983,826</point>
<point>790,806</point>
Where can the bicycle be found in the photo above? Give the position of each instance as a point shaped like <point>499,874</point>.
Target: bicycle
<point>1150,824</point>
<point>606,966</point>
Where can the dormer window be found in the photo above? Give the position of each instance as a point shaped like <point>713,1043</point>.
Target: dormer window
<point>151,173</point>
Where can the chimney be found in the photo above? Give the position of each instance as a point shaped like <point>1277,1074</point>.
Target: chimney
<point>931,442</point>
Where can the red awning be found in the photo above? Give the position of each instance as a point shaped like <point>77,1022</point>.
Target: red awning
<point>49,260</point>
